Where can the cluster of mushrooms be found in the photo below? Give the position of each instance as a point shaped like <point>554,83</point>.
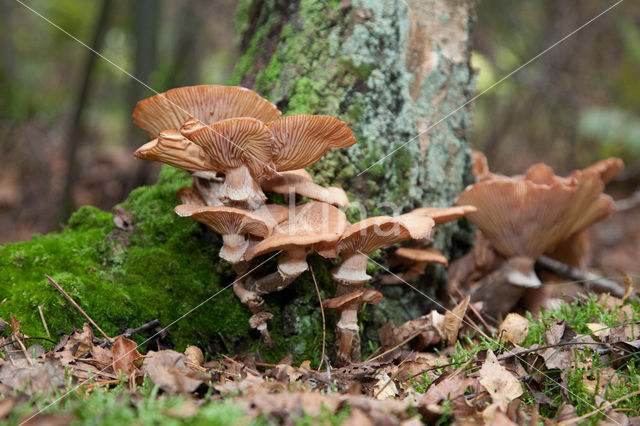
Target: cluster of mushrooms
<point>237,146</point>
<point>520,218</point>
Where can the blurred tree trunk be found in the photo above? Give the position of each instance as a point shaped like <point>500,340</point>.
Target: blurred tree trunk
<point>390,69</point>
<point>74,132</point>
<point>145,31</point>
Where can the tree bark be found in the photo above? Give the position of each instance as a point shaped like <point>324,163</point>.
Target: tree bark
<point>392,70</point>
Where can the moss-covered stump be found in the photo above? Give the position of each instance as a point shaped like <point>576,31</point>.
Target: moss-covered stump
<point>167,269</point>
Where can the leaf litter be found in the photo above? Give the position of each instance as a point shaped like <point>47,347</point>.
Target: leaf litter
<point>423,372</point>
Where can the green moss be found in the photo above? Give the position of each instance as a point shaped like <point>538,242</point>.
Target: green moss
<point>123,280</point>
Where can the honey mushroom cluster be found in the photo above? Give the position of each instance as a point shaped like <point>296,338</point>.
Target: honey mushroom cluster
<point>236,146</point>
<point>522,217</point>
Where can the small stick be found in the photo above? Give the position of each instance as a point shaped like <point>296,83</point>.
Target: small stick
<point>43,321</point>
<point>475,312</point>
<point>590,280</point>
<point>73,302</point>
<point>324,332</point>
<point>146,326</point>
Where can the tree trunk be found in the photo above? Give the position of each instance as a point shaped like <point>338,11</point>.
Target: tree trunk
<point>393,70</point>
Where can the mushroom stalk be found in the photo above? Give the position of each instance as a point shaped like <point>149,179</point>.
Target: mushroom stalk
<point>352,270</point>
<point>242,190</point>
<point>290,266</point>
<point>233,247</point>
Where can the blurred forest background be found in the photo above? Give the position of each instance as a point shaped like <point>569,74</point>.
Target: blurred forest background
<point>67,137</point>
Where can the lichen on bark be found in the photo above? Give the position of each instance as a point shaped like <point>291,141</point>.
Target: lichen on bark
<point>392,71</point>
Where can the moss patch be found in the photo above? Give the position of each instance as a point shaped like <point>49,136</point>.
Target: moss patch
<point>123,280</point>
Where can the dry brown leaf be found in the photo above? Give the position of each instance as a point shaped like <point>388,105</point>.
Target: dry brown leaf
<point>598,329</point>
<point>450,387</point>
<point>168,370</point>
<point>194,354</point>
<point>514,328</point>
<point>33,379</point>
<point>453,321</point>
<point>493,415</point>
<point>384,387</point>
<point>80,342</point>
<point>102,355</point>
<point>124,354</point>
<point>500,383</point>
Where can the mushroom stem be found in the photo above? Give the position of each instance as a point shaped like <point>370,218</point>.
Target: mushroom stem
<point>290,266</point>
<point>233,247</point>
<point>210,187</point>
<point>349,335</point>
<point>353,269</point>
<point>242,190</point>
<point>250,299</point>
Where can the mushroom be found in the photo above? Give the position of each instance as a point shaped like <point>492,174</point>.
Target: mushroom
<point>300,182</point>
<point>310,225</point>
<point>522,219</point>
<point>348,331</point>
<point>417,260</point>
<point>301,140</point>
<point>259,322</point>
<point>234,225</point>
<point>241,148</point>
<point>206,103</point>
<point>365,237</point>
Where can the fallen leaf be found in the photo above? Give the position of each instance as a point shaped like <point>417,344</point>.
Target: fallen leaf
<point>598,329</point>
<point>514,328</point>
<point>494,415</point>
<point>194,354</point>
<point>33,379</point>
<point>384,387</point>
<point>450,386</point>
<point>500,383</point>
<point>453,320</point>
<point>124,353</point>
<point>80,342</point>
<point>168,370</point>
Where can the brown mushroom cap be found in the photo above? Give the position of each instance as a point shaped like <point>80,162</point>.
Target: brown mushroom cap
<point>373,233</point>
<point>170,147</point>
<point>233,224</point>
<point>206,103</point>
<point>607,169</point>
<point>442,215</point>
<point>522,218</point>
<point>358,297</point>
<point>300,140</point>
<point>427,255</point>
<point>309,224</point>
<point>300,182</point>
<point>480,164</point>
<point>233,143</point>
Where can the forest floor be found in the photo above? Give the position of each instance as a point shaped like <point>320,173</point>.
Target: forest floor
<point>576,364</point>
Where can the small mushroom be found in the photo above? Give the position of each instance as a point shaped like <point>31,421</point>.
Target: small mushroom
<point>241,148</point>
<point>235,224</point>
<point>348,331</point>
<point>365,237</point>
<point>206,103</point>
<point>300,182</point>
<point>259,322</point>
<point>417,259</point>
<point>309,225</point>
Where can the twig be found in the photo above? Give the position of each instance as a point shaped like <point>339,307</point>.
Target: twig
<point>73,302</point>
<point>324,331</point>
<point>24,349</point>
<point>396,346</point>
<point>130,331</point>
<point>43,321</point>
<point>590,280</point>
<point>11,342</point>
<point>598,410</point>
